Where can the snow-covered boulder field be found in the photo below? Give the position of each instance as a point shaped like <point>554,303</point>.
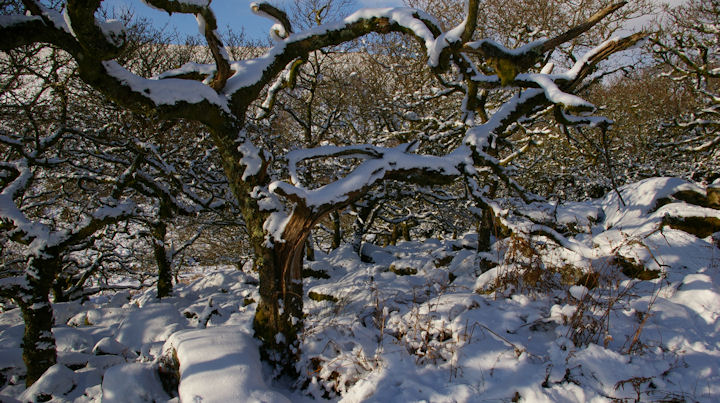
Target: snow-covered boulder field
<point>616,299</point>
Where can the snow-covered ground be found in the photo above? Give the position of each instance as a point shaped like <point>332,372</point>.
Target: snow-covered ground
<point>618,305</point>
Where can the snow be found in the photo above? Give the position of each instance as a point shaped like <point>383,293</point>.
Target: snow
<point>249,72</point>
<point>113,30</point>
<point>154,323</point>
<point>10,212</point>
<point>220,364</point>
<point>57,381</point>
<point>277,31</point>
<point>251,159</point>
<point>133,383</point>
<point>554,95</point>
<point>169,91</point>
<point>274,227</point>
<point>478,136</point>
<point>383,161</point>
<point>110,346</point>
<point>434,329</point>
<point>198,3</point>
<point>190,67</point>
<point>55,17</point>
<point>10,20</point>
<point>121,209</point>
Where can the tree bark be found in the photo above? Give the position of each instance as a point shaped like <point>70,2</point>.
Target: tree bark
<point>163,261</point>
<point>279,316</point>
<point>485,230</point>
<point>406,231</point>
<point>309,249</point>
<point>337,229</point>
<point>363,222</point>
<point>39,351</point>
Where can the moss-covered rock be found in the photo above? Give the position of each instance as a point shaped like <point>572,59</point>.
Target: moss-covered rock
<point>319,274</point>
<point>701,227</point>
<point>443,261</point>
<point>633,269</point>
<point>713,196</point>
<point>169,372</point>
<point>402,271</point>
<point>316,296</point>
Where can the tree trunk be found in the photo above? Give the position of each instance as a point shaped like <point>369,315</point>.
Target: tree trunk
<point>485,230</point>
<point>487,220</point>
<point>279,316</point>
<point>406,231</point>
<point>163,261</point>
<point>309,249</point>
<point>39,351</point>
<point>363,222</point>
<point>394,235</point>
<point>337,229</point>
<point>59,286</point>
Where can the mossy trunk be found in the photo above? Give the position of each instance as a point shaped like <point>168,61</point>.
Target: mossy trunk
<point>59,286</point>
<point>406,231</point>
<point>394,235</point>
<point>39,351</point>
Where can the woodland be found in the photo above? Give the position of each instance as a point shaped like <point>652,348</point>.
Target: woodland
<point>473,200</point>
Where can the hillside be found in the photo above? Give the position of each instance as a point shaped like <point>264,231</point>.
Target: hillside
<point>616,302</point>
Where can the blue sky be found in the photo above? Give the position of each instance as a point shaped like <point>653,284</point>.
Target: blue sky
<point>233,13</point>
<point>236,14</point>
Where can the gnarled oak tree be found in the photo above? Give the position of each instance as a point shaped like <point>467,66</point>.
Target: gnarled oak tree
<point>279,214</point>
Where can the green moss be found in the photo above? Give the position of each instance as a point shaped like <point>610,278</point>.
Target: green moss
<point>316,296</point>
<point>315,274</point>
<point>403,271</point>
<point>633,269</point>
<point>444,261</point>
<point>169,373</point>
<point>701,227</point>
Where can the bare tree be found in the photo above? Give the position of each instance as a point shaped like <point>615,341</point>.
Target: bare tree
<point>688,46</point>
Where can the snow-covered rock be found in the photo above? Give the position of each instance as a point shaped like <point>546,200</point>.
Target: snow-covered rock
<point>220,364</point>
<point>153,323</point>
<point>133,383</point>
<point>57,381</point>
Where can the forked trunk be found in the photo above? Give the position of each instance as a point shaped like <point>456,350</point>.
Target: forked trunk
<point>279,316</point>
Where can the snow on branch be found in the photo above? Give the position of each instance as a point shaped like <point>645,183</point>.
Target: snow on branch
<point>19,226</point>
<point>282,27</point>
<point>554,88</point>
<point>207,25</point>
<point>103,39</point>
<point>251,76</point>
<point>382,163</point>
<point>43,26</point>
<point>285,80</point>
<point>170,91</point>
<point>524,57</point>
<point>355,151</point>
